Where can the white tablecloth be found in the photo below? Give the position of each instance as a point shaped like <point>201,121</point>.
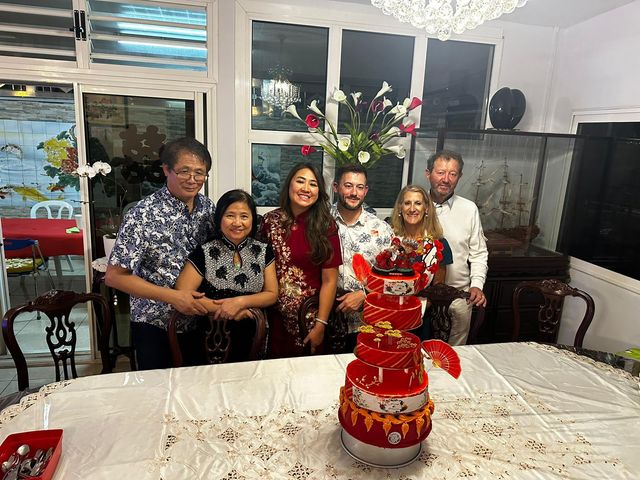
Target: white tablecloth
<point>520,411</point>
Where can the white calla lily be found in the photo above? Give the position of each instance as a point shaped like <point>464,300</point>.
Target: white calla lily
<point>356,97</point>
<point>292,110</point>
<point>398,111</point>
<point>386,103</point>
<point>385,88</point>
<point>394,132</point>
<point>339,96</point>
<point>363,157</point>
<point>406,102</point>
<point>344,143</point>
<point>399,150</point>
<point>314,108</point>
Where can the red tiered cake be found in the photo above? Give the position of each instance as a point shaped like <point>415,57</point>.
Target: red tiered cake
<point>404,312</point>
<point>385,409</point>
<point>385,401</point>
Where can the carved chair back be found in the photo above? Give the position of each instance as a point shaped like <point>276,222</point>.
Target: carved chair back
<point>440,296</point>
<point>218,339</point>
<point>60,334</point>
<point>550,311</point>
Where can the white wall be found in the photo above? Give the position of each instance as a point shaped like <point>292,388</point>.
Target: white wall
<point>527,64</point>
<point>597,69</point>
<point>225,98</point>
<point>616,324</point>
<point>598,66</point>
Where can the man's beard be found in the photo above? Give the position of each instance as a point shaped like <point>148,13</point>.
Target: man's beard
<point>344,204</point>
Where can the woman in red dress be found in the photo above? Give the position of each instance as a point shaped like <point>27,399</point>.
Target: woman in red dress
<point>305,241</point>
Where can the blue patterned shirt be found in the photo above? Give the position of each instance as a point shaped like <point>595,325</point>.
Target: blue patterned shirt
<point>369,236</point>
<point>154,241</point>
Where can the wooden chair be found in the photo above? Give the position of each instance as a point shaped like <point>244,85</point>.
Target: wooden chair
<point>60,333</point>
<point>550,312</point>
<point>217,339</point>
<point>64,210</point>
<point>335,338</point>
<point>440,296</point>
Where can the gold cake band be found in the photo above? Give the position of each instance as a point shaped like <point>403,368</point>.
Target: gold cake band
<point>422,417</point>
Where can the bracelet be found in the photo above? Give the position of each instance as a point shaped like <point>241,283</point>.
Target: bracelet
<point>323,322</point>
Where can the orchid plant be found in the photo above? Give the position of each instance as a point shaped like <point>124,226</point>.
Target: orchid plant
<point>371,127</point>
<point>110,227</point>
<point>90,171</point>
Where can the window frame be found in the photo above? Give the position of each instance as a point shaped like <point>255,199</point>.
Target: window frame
<point>248,11</point>
<point>82,64</point>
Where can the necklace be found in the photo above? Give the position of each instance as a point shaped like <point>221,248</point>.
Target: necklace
<point>237,261</point>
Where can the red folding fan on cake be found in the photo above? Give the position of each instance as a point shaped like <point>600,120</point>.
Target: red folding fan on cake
<point>443,356</point>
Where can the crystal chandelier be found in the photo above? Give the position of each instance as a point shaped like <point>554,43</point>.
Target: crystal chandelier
<point>278,90</point>
<point>441,17</point>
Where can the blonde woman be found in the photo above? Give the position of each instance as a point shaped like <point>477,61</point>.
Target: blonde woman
<point>414,218</point>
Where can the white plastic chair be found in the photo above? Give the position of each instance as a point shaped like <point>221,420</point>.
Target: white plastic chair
<point>50,206</point>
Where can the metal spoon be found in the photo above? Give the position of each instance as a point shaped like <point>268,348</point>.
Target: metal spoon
<point>23,450</point>
<point>9,463</point>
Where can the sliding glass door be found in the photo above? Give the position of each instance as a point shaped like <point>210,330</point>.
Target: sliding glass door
<point>46,133</point>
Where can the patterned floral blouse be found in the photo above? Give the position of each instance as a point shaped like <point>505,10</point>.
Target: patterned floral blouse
<point>153,243</point>
<point>221,279</point>
<point>369,235</point>
<point>298,276</point>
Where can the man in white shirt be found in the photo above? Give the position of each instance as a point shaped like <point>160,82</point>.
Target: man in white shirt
<point>360,232</point>
<point>460,220</point>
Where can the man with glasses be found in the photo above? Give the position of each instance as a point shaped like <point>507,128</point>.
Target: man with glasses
<point>153,243</point>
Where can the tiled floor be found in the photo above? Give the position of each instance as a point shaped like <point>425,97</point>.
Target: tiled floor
<point>30,330</point>
<point>41,375</point>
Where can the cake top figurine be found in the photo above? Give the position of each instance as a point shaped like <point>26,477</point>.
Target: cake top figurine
<point>412,260</point>
<point>407,256</point>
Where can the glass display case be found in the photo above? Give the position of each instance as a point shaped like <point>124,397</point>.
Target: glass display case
<point>515,179</point>
<point>542,198</point>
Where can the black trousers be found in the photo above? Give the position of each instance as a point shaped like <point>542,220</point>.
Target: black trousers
<point>151,345</point>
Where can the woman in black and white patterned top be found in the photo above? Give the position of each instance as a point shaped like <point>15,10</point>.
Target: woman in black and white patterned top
<point>233,269</point>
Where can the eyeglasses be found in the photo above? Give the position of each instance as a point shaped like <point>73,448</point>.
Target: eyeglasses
<point>186,175</point>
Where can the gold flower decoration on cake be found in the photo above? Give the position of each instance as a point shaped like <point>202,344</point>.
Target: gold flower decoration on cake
<point>385,325</point>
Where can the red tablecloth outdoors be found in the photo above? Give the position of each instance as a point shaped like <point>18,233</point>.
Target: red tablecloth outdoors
<point>50,233</point>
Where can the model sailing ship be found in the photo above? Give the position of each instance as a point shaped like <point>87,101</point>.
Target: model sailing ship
<point>506,220</point>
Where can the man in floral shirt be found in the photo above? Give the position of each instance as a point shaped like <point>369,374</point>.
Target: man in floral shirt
<point>360,232</point>
<point>153,243</point>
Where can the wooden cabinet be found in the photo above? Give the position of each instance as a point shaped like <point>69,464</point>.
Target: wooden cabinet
<point>506,270</point>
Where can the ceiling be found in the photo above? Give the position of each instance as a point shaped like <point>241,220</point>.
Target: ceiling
<point>562,13</point>
<point>552,13</point>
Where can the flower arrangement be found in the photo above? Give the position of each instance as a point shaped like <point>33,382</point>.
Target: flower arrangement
<point>371,127</point>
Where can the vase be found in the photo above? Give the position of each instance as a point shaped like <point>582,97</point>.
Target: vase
<point>108,243</point>
<point>506,108</point>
